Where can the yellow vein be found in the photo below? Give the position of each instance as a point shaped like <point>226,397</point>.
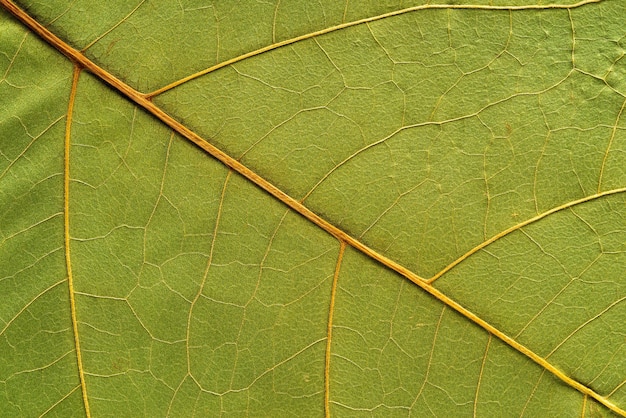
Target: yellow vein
<point>608,148</point>
<point>68,262</point>
<point>584,406</point>
<point>159,197</point>
<point>13,58</point>
<point>584,324</point>
<point>42,367</point>
<point>54,405</point>
<point>274,21</point>
<point>617,388</point>
<point>40,294</point>
<point>272,368</point>
<point>253,296</point>
<point>552,300</point>
<point>532,394</point>
<point>230,162</point>
<point>521,225</point>
<point>430,358</point>
<point>226,159</point>
<point>417,125</point>
<point>607,364</point>
<point>360,22</point>
<point>33,139</point>
<point>480,375</point>
<point>333,293</point>
<point>218,218</point>
<point>125,18</point>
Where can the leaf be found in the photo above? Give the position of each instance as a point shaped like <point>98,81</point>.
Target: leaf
<point>299,208</point>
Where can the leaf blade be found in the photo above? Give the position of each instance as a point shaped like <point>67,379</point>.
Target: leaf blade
<point>138,378</point>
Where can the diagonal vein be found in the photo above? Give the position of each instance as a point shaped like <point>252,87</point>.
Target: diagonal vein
<point>54,405</point>
<point>143,101</point>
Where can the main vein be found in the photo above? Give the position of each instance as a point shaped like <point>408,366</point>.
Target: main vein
<point>68,258</point>
<point>143,101</point>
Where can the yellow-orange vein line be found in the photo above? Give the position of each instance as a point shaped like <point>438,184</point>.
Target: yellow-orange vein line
<point>584,324</point>
<point>608,148</point>
<point>360,22</point>
<point>226,159</point>
<point>532,393</point>
<point>429,365</point>
<point>616,388</point>
<point>54,405</point>
<point>124,19</point>
<point>521,225</point>
<point>521,348</point>
<point>230,162</point>
<point>333,293</point>
<point>68,258</point>
<point>584,406</point>
<point>480,375</point>
<point>209,262</point>
<point>28,305</point>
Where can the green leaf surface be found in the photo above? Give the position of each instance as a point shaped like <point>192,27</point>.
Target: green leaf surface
<point>390,209</point>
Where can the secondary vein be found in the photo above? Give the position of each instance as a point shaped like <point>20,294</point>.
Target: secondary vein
<point>329,338</point>
<point>68,258</point>
<point>366,20</point>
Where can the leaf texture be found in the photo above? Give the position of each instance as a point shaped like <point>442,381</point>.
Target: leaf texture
<point>309,209</point>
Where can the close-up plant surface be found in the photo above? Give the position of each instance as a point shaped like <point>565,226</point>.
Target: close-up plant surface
<point>291,208</point>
